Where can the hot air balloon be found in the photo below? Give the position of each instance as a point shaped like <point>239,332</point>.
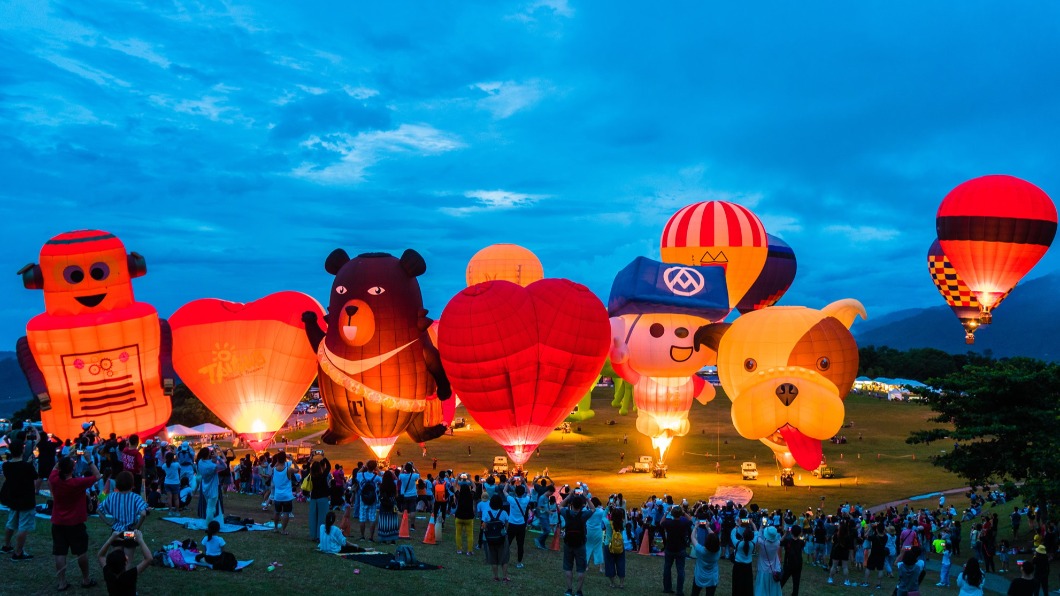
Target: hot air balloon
<point>774,280</point>
<point>95,354</point>
<point>377,363</point>
<point>787,370</point>
<point>994,229</point>
<point>659,315</point>
<point>521,357</point>
<point>956,293</point>
<point>718,233</point>
<point>248,363</point>
<point>509,262</point>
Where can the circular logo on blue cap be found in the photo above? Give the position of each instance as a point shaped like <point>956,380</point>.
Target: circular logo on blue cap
<point>684,281</point>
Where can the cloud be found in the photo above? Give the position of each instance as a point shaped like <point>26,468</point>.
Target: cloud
<point>552,8</point>
<point>356,153</point>
<point>863,233</point>
<point>493,200</point>
<point>506,98</point>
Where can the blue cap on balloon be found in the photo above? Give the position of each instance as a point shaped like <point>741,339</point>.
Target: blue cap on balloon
<point>647,286</point>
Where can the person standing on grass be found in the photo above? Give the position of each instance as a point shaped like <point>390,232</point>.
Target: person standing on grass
<point>543,512</point>
<point>282,492</point>
<point>18,495</point>
<point>133,461</point>
<point>877,554</point>
<point>1025,584</point>
<point>615,548</point>
<point>594,535</point>
<point>970,581</point>
<point>909,569</point>
<point>743,539</point>
<point>171,482</point>
<point>389,519</point>
<point>518,508</point>
<point>407,496</point>
<point>1015,518</point>
<point>1041,567</point>
<point>320,496</point>
<point>465,517</point>
<point>676,529</point>
<point>705,573</point>
<point>209,462</point>
<point>368,498</point>
<point>767,583</point>
<point>126,509</point>
<point>842,544</point>
<point>69,514</point>
<point>793,546</point>
<point>494,531</point>
<point>573,518</point>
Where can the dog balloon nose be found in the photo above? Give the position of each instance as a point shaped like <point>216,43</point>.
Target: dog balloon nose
<point>787,392</point>
<point>351,310</point>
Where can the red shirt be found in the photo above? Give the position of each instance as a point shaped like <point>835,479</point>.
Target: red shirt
<point>132,460</point>
<point>69,505</point>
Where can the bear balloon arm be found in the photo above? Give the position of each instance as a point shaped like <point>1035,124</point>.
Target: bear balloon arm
<point>434,366</point>
<point>704,391</point>
<point>165,358</point>
<point>312,329</point>
<point>33,374</point>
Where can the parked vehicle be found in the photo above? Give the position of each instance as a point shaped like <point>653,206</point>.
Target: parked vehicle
<point>500,465</point>
<point>749,470</point>
<point>644,464</point>
<point>824,471</point>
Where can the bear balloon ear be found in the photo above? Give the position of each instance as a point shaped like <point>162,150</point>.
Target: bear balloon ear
<point>846,310</point>
<point>413,263</point>
<point>335,261</point>
<point>710,335</point>
<point>32,277</point>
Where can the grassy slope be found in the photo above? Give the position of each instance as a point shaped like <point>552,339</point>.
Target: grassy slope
<point>591,456</point>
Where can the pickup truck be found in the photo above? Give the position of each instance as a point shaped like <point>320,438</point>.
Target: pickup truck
<point>643,464</point>
<point>824,472</point>
<point>500,465</point>
<point>749,470</point>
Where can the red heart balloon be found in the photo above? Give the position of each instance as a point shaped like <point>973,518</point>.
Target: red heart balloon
<point>521,358</point>
<point>249,363</point>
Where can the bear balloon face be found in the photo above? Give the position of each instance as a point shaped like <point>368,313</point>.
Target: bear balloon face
<point>787,371</point>
<point>82,272</point>
<point>663,344</point>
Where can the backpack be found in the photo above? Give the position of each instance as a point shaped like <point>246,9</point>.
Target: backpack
<point>404,556</point>
<point>493,529</point>
<point>616,548</point>
<point>367,491</point>
<point>574,533</point>
<point>439,491</point>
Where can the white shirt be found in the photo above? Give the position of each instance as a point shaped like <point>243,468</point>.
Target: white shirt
<point>517,509</point>
<point>214,545</point>
<point>331,542</point>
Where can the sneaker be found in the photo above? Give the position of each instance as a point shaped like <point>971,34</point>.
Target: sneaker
<point>879,586</point>
<point>518,565</point>
<point>864,584</point>
<point>578,593</point>
<point>846,582</point>
<point>568,593</point>
<point>830,581</point>
<point>22,557</point>
<point>7,549</point>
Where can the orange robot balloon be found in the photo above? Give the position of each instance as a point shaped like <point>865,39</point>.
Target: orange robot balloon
<point>95,355</point>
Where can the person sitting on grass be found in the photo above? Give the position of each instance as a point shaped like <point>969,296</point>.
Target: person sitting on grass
<point>118,569</point>
<point>214,549</point>
<point>331,539</point>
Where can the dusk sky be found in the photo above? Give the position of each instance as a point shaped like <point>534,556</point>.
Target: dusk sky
<point>235,144</point>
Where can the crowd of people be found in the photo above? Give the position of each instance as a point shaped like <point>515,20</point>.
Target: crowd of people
<point>122,479</point>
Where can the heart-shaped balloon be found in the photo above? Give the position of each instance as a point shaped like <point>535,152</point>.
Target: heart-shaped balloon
<point>250,363</point>
<point>520,358</point>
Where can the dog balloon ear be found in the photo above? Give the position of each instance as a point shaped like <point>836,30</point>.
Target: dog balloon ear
<point>846,311</point>
<point>710,335</point>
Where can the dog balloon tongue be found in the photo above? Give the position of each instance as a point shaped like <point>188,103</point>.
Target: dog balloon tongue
<point>806,451</point>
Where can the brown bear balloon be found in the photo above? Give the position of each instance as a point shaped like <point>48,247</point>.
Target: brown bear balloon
<point>377,363</point>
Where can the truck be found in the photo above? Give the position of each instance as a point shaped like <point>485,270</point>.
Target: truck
<point>643,464</point>
<point>500,465</point>
<point>749,470</point>
<point>824,471</point>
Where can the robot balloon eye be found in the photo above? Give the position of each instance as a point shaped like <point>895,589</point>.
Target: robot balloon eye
<point>73,274</point>
<point>99,271</point>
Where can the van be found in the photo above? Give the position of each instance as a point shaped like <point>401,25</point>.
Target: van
<point>749,470</point>
<point>500,465</point>
<point>643,464</point>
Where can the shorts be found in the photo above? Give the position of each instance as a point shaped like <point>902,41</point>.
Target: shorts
<point>574,558</point>
<point>284,506</point>
<point>69,539</point>
<point>22,521</point>
<point>367,513</point>
<point>173,489</point>
<point>498,553</point>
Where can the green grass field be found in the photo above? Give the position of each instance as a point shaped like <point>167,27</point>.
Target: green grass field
<point>591,455</point>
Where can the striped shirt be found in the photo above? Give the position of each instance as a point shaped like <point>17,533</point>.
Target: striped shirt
<point>124,508</point>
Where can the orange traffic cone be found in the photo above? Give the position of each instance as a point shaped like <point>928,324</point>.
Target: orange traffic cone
<point>403,529</point>
<point>428,538</point>
<point>645,547</point>
<point>555,540</point>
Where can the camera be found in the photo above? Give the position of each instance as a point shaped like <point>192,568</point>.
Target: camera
<point>80,452</point>
<point>129,534</point>
<point>319,452</point>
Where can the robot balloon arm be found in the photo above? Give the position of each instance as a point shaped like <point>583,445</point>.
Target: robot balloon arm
<point>165,358</point>
<point>434,366</point>
<point>33,373</point>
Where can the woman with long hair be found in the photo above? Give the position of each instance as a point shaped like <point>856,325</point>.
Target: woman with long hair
<point>331,538</point>
<point>970,581</point>
<point>319,496</point>
<point>388,517</point>
<point>171,469</point>
<point>705,574</point>
<point>465,517</point>
<point>743,539</point>
<point>614,547</point>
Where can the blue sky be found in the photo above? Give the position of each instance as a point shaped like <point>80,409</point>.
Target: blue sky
<point>236,144</point>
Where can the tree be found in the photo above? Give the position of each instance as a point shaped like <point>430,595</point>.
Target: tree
<point>1003,421</point>
<point>188,410</point>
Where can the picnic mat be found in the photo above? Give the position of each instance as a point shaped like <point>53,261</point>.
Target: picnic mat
<point>189,558</point>
<point>384,561</point>
<point>194,523</point>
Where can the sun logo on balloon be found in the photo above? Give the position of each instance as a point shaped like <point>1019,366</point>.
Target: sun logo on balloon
<point>227,364</point>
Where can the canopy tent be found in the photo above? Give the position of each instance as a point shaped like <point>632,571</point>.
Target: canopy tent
<point>211,429</point>
<point>179,430</point>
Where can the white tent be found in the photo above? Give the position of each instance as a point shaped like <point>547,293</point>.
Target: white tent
<point>179,430</point>
<point>211,429</point>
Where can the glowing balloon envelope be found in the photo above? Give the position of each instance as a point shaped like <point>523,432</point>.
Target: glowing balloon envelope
<point>958,295</point>
<point>248,363</point>
<point>774,280</point>
<point>994,229</point>
<point>95,354</point>
<point>520,358</point>
<point>509,262</point>
<point>718,233</point>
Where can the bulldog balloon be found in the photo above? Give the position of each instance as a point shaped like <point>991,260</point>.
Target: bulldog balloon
<point>787,370</point>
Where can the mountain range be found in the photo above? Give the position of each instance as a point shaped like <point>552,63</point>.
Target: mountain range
<point>1024,325</point>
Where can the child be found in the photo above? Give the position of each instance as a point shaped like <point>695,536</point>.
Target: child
<point>331,538</point>
<point>154,496</point>
<point>944,573</point>
<point>1002,554</point>
<point>213,545</point>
